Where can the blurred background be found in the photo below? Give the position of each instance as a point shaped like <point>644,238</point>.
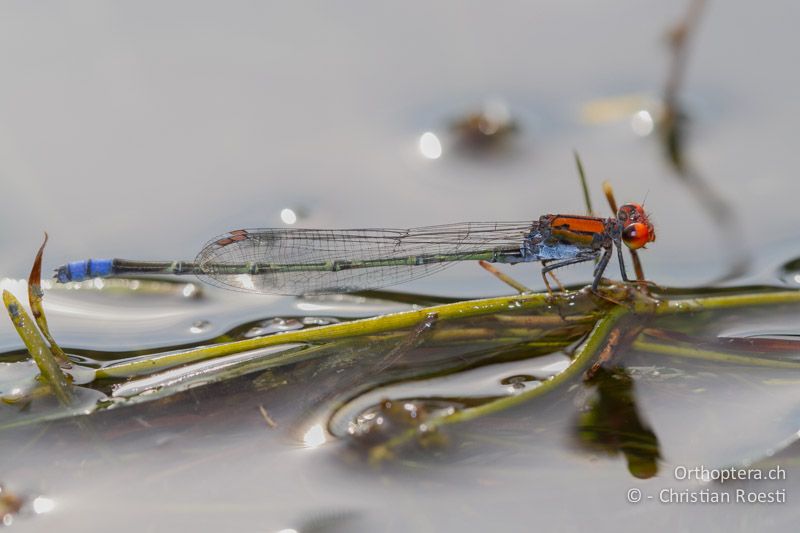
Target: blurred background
<point>143,129</point>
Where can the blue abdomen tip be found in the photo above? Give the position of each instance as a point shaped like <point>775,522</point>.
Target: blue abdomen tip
<point>82,270</point>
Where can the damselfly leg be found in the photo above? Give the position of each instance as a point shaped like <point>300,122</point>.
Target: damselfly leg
<point>553,266</point>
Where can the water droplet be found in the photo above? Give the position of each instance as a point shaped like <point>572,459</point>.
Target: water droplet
<point>789,273</point>
<point>81,374</point>
<point>200,326</point>
<point>273,326</point>
<point>381,422</point>
<point>319,320</point>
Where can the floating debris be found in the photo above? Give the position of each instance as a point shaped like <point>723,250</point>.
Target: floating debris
<point>10,505</point>
<point>265,415</point>
<point>486,128</point>
<point>518,382</point>
<point>380,423</point>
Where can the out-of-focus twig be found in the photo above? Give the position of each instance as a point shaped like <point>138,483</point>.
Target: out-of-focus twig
<point>587,200</point>
<point>673,130</point>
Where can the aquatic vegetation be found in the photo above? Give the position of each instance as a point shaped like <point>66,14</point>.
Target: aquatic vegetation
<point>598,331</point>
<point>38,348</point>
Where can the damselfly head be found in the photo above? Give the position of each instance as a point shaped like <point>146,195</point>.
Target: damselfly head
<point>637,230</point>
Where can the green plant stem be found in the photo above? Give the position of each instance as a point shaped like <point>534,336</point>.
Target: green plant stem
<point>379,324</point>
<point>691,305</point>
<point>407,319</point>
<point>38,348</point>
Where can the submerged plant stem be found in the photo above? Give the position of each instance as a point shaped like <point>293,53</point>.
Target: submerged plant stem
<point>690,352</point>
<point>585,353</point>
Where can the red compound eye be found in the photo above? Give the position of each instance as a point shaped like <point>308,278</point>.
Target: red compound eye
<point>635,235</point>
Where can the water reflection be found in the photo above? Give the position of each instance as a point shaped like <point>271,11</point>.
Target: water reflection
<point>124,286</point>
<point>288,216</point>
<point>42,505</point>
<point>430,145</point>
<point>642,123</point>
<point>245,281</point>
<point>315,436</point>
<point>612,423</point>
<point>200,326</point>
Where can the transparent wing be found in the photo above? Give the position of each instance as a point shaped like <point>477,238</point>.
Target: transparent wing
<point>304,261</point>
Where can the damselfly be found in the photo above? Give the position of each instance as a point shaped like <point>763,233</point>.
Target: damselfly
<point>317,261</point>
